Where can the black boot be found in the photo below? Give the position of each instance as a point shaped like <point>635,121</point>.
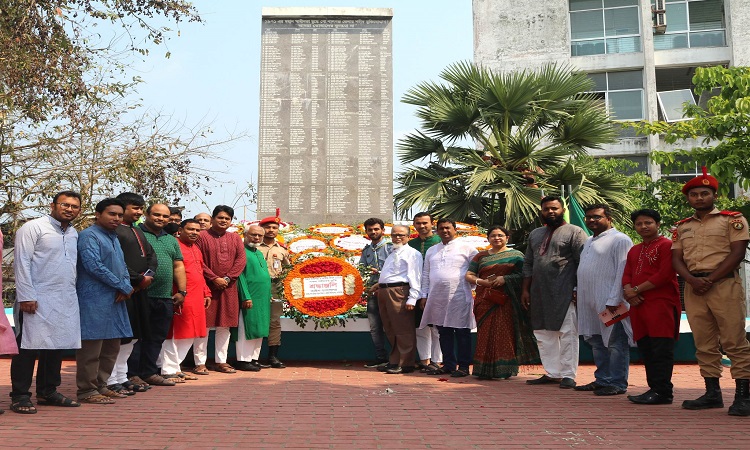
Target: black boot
<point>741,405</point>
<point>711,399</point>
<point>275,362</point>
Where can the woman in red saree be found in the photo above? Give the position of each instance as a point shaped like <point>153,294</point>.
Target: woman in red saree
<point>505,339</point>
<point>650,286</point>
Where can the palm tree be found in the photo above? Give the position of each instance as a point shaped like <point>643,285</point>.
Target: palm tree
<point>491,145</point>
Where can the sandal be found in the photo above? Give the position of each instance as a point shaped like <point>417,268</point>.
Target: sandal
<point>97,399</point>
<point>224,368</point>
<point>158,380</point>
<point>137,380</point>
<point>438,371</point>
<point>134,387</point>
<point>56,399</point>
<point>22,405</point>
<point>112,394</point>
<point>200,370</point>
<point>458,373</point>
<point>174,378</point>
<point>120,389</point>
<point>187,377</point>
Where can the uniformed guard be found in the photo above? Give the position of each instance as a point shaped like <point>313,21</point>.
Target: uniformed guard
<point>277,259</point>
<point>707,250</point>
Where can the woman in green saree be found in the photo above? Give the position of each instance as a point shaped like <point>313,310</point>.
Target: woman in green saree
<point>505,339</point>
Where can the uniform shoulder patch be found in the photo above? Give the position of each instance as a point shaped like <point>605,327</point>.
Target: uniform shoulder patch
<point>675,235</point>
<point>686,219</point>
<point>737,223</point>
<point>731,213</point>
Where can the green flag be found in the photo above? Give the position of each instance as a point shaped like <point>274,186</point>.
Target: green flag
<point>577,215</point>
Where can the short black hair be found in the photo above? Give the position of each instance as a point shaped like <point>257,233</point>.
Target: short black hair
<point>505,231</point>
<point>131,198</point>
<point>107,202</point>
<point>551,198</point>
<point>175,210</point>
<point>187,221</point>
<point>607,211</point>
<point>223,208</point>
<point>374,221</point>
<point>646,212</point>
<point>422,214</point>
<point>446,220</point>
<point>73,194</point>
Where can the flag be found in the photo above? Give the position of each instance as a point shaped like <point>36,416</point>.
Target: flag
<point>576,215</point>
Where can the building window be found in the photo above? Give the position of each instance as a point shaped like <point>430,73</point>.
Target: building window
<point>692,23</point>
<point>604,26</point>
<point>671,104</point>
<point>622,92</point>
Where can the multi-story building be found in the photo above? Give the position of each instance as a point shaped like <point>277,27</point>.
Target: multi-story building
<point>641,54</point>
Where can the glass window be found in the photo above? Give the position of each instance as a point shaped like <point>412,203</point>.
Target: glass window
<point>622,93</point>
<point>631,79</point>
<point>671,103</point>
<point>626,105</point>
<point>604,26</point>
<point>677,17</point>
<point>706,15</point>
<point>693,23</point>
<point>600,81</point>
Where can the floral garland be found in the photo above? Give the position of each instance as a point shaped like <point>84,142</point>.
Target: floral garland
<point>312,286</point>
<point>304,255</point>
<point>305,242</point>
<point>351,243</point>
<point>331,228</point>
<point>478,241</point>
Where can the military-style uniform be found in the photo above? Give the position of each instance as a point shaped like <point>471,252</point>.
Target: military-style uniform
<point>277,258</point>
<point>719,314</point>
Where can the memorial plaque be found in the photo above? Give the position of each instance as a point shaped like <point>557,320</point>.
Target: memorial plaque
<point>326,115</point>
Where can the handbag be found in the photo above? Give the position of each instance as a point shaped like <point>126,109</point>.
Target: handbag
<point>495,296</point>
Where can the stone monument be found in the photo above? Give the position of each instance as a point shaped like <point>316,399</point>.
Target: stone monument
<point>326,115</point>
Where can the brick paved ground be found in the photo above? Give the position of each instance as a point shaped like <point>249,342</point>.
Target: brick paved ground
<point>340,405</point>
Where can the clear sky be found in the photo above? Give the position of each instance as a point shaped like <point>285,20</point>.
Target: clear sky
<point>214,71</point>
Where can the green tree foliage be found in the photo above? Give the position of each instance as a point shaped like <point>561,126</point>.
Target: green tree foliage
<point>491,145</point>
<point>717,135</point>
<point>47,47</point>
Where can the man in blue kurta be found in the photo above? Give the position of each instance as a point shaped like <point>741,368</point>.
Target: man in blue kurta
<point>254,289</point>
<point>46,308</point>
<point>103,284</point>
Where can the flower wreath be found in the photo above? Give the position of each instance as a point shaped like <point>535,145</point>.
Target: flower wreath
<point>331,228</point>
<point>305,242</point>
<point>476,240</point>
<point>325,302</point>
<point>351,243</point>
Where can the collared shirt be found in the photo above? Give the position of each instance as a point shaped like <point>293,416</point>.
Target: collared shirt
<point>276,256</point>
<point>404,265</point>
<point>375,256</point>
<point>422,245</point>
<point>706,243</point>
<point>45,258</point>
<point>167,251</point>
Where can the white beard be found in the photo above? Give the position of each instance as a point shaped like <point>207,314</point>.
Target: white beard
<point>251,244</point>
<point>397,246</point>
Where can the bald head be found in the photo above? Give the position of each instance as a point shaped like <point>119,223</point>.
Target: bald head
<point>254,235</point>
<point>157,216</point>
<point>204,219</point>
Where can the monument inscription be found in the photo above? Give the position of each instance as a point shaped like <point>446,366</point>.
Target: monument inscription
<point>326,107</point>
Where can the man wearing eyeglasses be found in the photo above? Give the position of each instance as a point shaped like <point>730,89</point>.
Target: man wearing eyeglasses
<point>600,288</point>
<point>398,291</point>
<point>46,310</point>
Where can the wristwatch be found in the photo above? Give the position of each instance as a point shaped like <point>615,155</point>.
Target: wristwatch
<point>635,289</point>
<point>184,293</point>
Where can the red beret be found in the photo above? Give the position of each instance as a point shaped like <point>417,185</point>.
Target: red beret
<point>704,180</point>
<point>270,219</point>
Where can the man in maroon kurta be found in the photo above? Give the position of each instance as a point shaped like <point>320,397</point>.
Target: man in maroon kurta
<point>224,260</point>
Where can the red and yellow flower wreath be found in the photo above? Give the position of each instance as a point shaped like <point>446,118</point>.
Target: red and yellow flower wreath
<point>323,266</point>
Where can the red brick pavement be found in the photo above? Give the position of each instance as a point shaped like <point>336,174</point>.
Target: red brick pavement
<point>341,405</point>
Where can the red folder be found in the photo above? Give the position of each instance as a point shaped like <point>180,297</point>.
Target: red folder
<point>609,318</point>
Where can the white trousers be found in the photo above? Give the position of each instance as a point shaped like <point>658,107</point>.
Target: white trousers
<point>173,351</point>
<point>428,344</point>
<point>120,371</point>
<point>559,349</point>
<point>221,342</point>
<point>247,349</point>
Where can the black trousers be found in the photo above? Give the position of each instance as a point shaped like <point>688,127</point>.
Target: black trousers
<point>658,358</point>
<point>142,361</point>
<point>22,369</point>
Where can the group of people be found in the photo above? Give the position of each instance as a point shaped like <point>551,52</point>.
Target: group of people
<point>133,298</point>
<point>531,308</point>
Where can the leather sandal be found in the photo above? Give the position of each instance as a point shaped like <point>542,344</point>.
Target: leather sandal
<point>224,368</point>
<point>98,399</point>
<point>56,399</point>
<point>200,370</point>
<point>158,380</point>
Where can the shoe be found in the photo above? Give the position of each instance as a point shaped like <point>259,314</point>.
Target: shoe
<point>246,366</point>
<point>651,398</point>
<point>395,370</point>
<point>257,363</point>
<point>377,363</point>
<point>544,379</point>
<point>439,371</point>
<point>567,383</point>
<point>593,386</point>
<point>273,360</point>
<point>741,404</point>
<point>460,373</point>
<point>158,380</point>
<point>610,390</point>
<point>711,399</point>
<point>263,365</point>
<point>386,367</point>
<point>407,369</point>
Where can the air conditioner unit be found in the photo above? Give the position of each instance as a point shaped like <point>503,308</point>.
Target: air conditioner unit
<point>659,6</point>
<point>660,22</point>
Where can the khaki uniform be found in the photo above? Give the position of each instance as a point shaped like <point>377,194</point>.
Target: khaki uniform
<point>277,258</point>
<point>718,316</point>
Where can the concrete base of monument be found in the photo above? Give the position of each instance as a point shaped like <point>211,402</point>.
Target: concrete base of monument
<point>352,343</point>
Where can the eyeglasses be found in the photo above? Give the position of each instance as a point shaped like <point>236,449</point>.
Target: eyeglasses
<point>594,218</point>
<point>398,235</point>
<point>69,206</point>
